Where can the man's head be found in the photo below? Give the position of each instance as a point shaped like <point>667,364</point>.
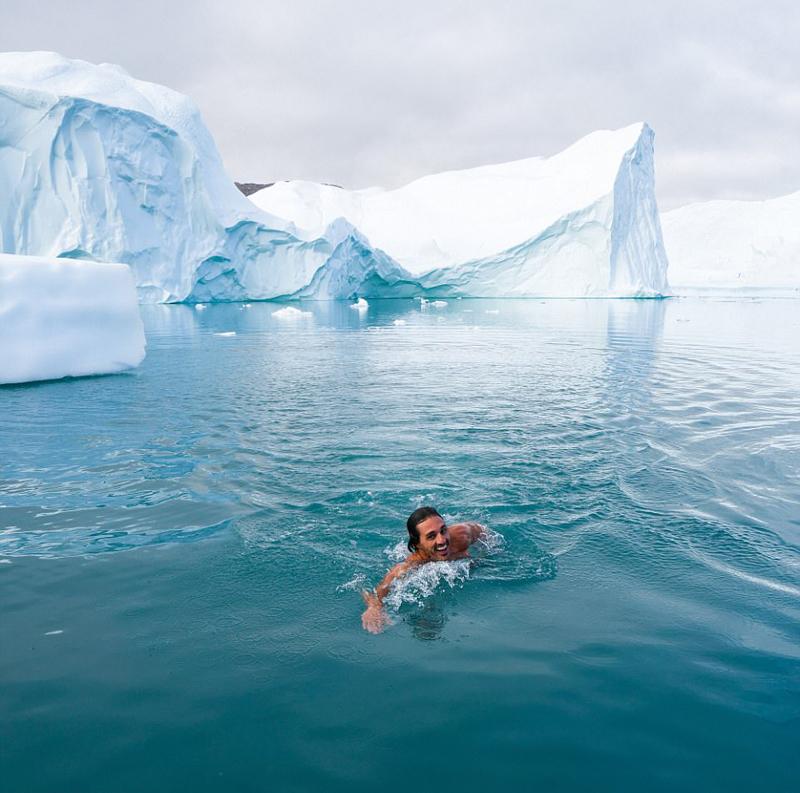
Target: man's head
<point>427,533</point>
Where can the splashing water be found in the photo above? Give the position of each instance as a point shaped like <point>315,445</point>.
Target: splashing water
<point>489,560</point>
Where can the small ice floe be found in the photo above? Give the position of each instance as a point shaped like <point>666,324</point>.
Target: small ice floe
<point>247,305</point>
<point>5,561</point>
<point>439,303</point>
<point>199,306</point>
<point>360,304</point>
<point>289,312</point>
<point>53,633</point>
<point>423,302</point>
<point>399,322</point>
<point>492,311</point>
<point>226,333</point>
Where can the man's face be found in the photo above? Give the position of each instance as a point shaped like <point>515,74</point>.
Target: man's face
<point>433,539</point>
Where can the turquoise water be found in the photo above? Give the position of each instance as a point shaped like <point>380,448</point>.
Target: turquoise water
<point>182,549</point>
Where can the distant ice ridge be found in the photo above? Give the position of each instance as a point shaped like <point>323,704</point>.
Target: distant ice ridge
<point>66,318</point>
<point>97,165</point>
<point>582,223</point>
<point>735,247</point>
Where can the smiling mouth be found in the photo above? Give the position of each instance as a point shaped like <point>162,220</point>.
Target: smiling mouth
<point>442,549</point>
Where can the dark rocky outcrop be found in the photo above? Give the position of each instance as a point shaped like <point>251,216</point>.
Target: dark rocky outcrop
<point>248,188</point>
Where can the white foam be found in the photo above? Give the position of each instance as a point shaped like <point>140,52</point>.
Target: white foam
<point>421,582</point>
<point>355,584</point>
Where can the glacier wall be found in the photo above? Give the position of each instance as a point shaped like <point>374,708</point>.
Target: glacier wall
<point>735,247</point>
<point>97,165</point>
<point>583,223</point>
<point>66,318</point>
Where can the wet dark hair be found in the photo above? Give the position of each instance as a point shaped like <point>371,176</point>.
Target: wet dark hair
<point>414,519</point>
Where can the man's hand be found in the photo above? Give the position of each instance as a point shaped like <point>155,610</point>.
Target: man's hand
<point>374,619</point>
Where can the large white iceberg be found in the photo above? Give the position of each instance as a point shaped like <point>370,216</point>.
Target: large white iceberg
<point>582,223</point>
<point>61,318</point>
<point>95,164</point>
<point>734,247</point>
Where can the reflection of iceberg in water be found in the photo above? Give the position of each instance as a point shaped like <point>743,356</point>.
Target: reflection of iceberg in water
<point>650,469</point>
<point>633,335</point>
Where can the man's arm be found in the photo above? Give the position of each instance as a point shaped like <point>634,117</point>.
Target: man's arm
<point>374,619</point>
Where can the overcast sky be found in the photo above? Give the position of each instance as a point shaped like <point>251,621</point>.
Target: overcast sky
<point>363,93</point>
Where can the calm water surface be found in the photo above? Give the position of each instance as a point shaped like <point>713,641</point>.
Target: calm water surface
<point>182,549</point>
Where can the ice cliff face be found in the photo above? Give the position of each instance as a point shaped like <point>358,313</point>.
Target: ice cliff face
<point>97,165</point>
<point>63,318</point>
<point>583,223</point>
<point>735,247</point>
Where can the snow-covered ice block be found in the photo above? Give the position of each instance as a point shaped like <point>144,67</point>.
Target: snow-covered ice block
<point>66,318</point>
<point>95,164</point>
<point>734,247</point>
<point>583,222</point>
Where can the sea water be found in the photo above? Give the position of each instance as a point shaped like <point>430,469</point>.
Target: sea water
<point>182,550</point>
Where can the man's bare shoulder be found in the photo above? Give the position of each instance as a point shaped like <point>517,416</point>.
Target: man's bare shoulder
<point>463,535</point>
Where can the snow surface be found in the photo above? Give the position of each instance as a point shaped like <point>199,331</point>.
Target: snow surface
<point>583,222</point>
<point>735,247</point>
<point>66,318</point>
<point>95,164</point>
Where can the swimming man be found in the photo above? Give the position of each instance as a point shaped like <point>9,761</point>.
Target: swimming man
<point>429,540</point>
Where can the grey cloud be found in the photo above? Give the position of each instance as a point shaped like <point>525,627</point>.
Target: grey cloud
<point>361,93</point>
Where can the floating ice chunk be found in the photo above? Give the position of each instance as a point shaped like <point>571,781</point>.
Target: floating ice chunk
<point>399,322</point>
<point>199,306</point>
<point>360,304</point>
<point>439,303</point>
<point>66,318</point>
<point>54,633</point>
<point>289,312</point>
<point>226,333</point>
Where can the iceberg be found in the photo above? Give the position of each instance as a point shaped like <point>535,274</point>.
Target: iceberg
<point>66,318</point>
<point>97,165</point>
<point>582,223</point>
<point>735,247</point>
